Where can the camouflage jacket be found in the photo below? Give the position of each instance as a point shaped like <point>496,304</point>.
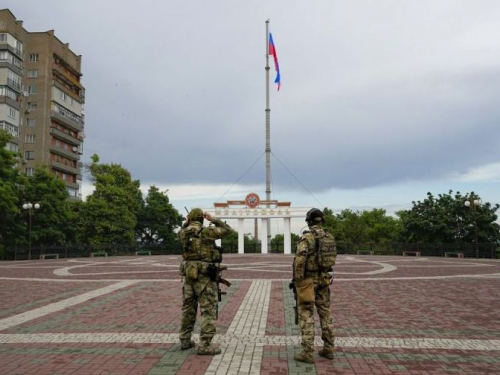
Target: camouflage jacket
<point>198,241</point>
<point>305,263</point>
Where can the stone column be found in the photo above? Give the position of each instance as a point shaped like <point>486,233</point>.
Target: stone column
<point>241,236</point>
<point>287,236</point>
<point>263,235</point>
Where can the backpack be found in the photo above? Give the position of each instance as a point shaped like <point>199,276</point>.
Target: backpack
<point>191,242</point>
<point>326,249</point>
<point>198,247</point>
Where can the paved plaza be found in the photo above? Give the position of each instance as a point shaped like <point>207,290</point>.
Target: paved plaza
<point>121,315</point>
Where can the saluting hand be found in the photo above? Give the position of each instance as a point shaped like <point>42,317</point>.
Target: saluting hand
<point>207,216</point>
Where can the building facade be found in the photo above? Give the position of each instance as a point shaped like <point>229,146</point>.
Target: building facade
<point>42,101</point>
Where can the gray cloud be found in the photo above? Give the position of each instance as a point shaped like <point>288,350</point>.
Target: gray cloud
<point>373,92</point>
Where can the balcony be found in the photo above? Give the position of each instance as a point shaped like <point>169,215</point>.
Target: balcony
<point>64,168</point>
<point>11,66</point>
<point>63,87</point>
<point>65,137</point>
<point>72,185</point>
<point>65,76</point>
<point>9,101</point>
<point>74,125</point>
<point>9,128</point>
<point>66,153</point>
<point>4,45</point>
<point>13,84</point>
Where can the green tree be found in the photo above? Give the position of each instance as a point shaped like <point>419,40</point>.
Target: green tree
<point>74,227</point>
<point>445,219</point>
<point>333,224</point>
<point>9,197</point>
<point>381,228</point>
<point>109,215</point>
<point>354,229</point>
<point>158,219</point>
<point>50,223</point>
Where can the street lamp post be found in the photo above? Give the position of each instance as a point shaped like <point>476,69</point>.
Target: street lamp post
<point>473,204</point>
<point>30,207</point>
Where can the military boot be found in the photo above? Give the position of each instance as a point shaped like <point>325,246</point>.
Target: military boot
<point>304,356</point>
<point>187,344</point>
<point>208,350</point>
<point>326,352</point>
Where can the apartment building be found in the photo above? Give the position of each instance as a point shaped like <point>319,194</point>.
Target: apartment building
<point>42,101</point>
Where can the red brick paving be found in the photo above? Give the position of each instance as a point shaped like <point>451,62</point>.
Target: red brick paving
<point>455,308</point>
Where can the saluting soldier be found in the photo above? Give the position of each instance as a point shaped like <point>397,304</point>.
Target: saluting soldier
<point>200,256</point>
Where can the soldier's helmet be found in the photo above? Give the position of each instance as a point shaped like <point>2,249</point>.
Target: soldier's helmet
<point>314,215</point>
<point>196,214</point>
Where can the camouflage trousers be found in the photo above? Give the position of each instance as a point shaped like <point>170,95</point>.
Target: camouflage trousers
<point>202,291</point>
<point>306,319</point>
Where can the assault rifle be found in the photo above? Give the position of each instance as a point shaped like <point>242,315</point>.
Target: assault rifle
<point>215,273</point>
<point>296,307</point>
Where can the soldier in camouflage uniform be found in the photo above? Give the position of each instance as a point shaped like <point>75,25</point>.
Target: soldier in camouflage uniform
<point>305,267</point>
<point>199,288</point>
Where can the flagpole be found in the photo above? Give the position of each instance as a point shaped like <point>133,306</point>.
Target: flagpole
<point>268,137</point>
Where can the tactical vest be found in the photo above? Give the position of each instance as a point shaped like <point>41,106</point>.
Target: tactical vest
<point>323,257</point>
<point>198,247</point>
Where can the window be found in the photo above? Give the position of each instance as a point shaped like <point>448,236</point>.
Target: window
<point>9,128</point>
<point>14,80</point>
<point>29,171</point>
<point>12,113</point>
<point>32,89</point>
<point>65,97</point>
<point>7,91</point>
<point>64,176</point>
<point>32,105</point>
<point>33,73</point>
<point>73,192</point>
<point>30,122</point>
<point>14,77</point>
<point>29,138</point>
<point>17,62</point>
<point>12,147</point>
<point>3,37</point>
<point>29,155</point>
<point>4,55</point>
<point>33,57</point>
<point>65,113</point>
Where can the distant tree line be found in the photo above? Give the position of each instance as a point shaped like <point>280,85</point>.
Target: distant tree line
<point>117,213</point>
<point>444,219</point>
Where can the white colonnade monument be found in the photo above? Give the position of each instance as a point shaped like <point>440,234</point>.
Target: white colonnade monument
<point>253,208</point>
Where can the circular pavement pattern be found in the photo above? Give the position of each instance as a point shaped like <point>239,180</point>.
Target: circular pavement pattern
<point>121,315</point>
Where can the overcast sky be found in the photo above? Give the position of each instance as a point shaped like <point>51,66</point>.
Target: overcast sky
<point>381,101</point>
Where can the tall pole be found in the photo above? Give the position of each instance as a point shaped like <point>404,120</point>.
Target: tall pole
<point>30,207</point>
<point>475,234</point>
<point>30,213</point>
<point>268,137</point>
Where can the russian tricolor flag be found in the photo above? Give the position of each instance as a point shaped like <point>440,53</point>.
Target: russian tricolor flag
<point>272,52</point>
